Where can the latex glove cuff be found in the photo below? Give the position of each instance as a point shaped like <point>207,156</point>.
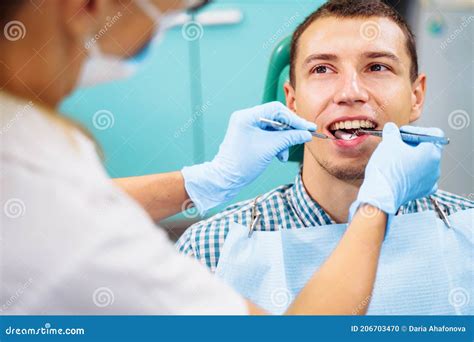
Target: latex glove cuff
<point>207,187</point>
<point>379,193</point>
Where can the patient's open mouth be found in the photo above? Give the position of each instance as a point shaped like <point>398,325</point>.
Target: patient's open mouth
<point>346,129</point>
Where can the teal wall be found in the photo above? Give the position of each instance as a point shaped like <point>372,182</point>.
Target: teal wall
<point>154,128</point>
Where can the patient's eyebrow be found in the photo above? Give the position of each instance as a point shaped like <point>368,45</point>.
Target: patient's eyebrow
<point>381,54</point>
<point>320,56</point>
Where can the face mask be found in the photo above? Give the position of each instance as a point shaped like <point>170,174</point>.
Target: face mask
<point>100,68</point>
<point>103,68</point>
<point>196,4</point>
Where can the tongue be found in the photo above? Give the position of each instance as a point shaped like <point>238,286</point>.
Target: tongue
<point>344,135</point>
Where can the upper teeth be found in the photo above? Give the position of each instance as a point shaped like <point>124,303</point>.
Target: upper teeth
<point>351,124</point>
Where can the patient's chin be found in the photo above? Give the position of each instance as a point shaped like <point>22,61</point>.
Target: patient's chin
<point>345,172</point>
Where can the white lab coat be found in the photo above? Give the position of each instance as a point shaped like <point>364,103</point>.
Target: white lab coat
<point>73,243</point>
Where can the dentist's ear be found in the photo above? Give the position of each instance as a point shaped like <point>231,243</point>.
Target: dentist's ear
<point>418,97</point>
<point>290,96</point>
<point>81,18</point>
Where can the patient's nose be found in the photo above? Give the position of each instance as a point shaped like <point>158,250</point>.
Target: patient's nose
<point>350,90</point>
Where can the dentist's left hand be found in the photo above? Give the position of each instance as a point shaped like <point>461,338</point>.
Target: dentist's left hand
<point>249,146</point>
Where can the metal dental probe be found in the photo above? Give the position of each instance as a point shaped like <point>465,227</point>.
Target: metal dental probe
<point>407,137</point>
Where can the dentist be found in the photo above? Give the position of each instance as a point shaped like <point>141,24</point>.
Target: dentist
<point>75,242</point>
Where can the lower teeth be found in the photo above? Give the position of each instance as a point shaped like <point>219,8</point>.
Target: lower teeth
<point>344,135</point>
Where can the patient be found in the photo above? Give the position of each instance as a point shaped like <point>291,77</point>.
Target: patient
<point>353,64</point>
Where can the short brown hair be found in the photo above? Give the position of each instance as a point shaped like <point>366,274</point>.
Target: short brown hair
<point>356,9</point>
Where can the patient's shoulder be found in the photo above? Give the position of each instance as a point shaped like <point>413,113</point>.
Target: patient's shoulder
<point>449,203</point>
<point>204,239</point>
<point>241,212</point>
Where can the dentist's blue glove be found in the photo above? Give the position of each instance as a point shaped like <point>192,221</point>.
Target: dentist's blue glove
<point>398,172</point>
<point>248,148</point>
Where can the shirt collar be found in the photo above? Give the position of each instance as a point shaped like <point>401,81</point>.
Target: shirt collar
<point>308,210</point>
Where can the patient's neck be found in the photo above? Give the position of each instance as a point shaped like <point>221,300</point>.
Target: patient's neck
<point>334,195</point>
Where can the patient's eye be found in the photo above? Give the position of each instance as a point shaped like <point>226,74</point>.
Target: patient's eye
<point>378,67</point>
<point>321,69</point>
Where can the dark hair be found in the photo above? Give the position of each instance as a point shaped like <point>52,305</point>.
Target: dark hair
<point>356,9</point>
<point>8,9</point>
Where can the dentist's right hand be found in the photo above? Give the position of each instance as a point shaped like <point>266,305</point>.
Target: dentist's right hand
<point>248,148</point>
<point>398,172</point>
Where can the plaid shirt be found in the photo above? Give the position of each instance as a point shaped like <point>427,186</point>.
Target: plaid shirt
<point>285,207</point>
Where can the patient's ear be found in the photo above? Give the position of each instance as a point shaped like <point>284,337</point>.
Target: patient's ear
<point>417,97</point>
<point>290,96</point>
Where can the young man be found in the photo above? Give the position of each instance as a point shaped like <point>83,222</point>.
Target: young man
<point>353,64</point>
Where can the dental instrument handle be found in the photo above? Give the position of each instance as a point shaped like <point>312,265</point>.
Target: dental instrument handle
<point>320,135</point>
<point>284,126</point>
<point>418,138</point>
